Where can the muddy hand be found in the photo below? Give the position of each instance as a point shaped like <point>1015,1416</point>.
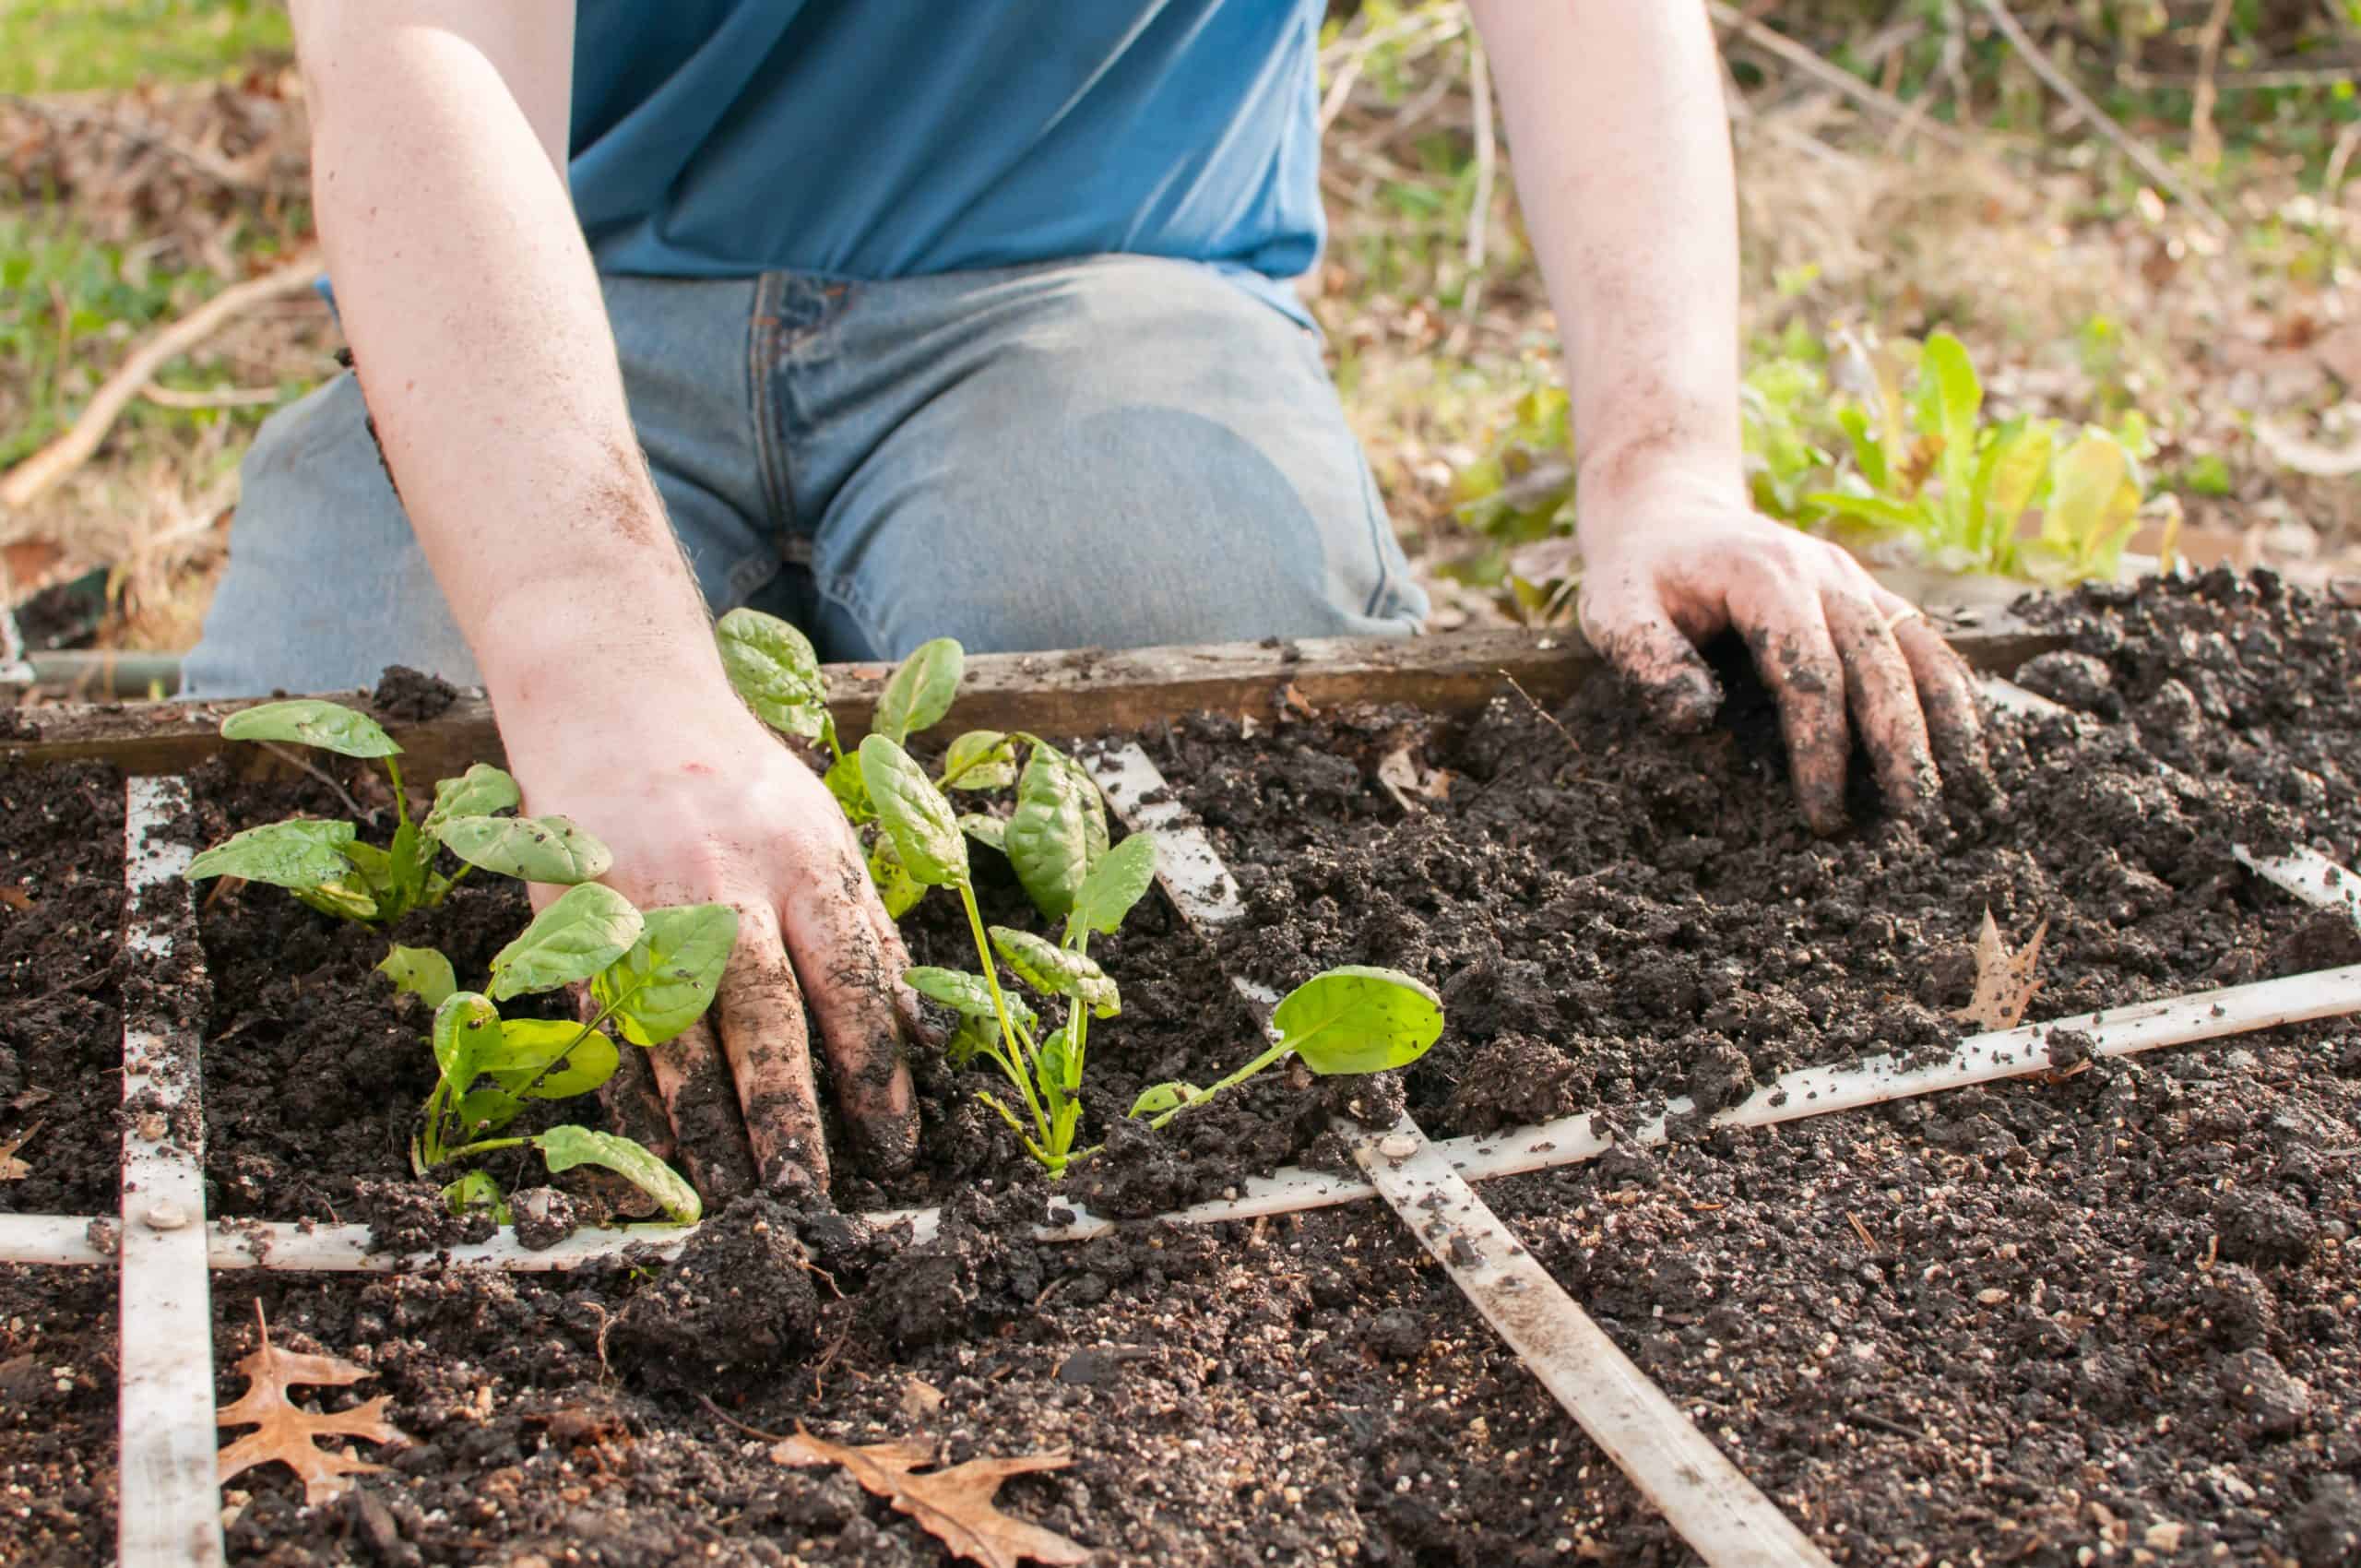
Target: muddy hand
<point>728,815</point>
<point>1668,567</point>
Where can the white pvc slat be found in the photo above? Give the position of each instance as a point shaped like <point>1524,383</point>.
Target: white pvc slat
<point>171,1513</point>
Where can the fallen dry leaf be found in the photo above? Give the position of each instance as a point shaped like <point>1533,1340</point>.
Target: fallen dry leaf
<point>920,1398</point>
<point>287,1433</point>
<point>1294,702</point>
<point>1404,776</point>
<point>953,1505</point>
<point>2005,981</point>
<point>11,1167</point>
<point>16,899</point>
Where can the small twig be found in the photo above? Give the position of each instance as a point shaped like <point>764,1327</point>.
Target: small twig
<point>1346,59</point>
<point>1480,211</point>
<point>218,397</point>
<point>297,759</point>
<point>1868,1242</point>
<point>25,482</point>
<point>2348,141</point>
<point>2204,140</point>
<point>1863,1417</point>
<point>2131,147</point>
<point>1547,716</point>
<point>726,1419</point>
<point>1835,76</point>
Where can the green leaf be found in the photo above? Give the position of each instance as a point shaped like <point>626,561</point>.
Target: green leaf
<point>483,790</point>
<point>973,1036</point>
<point>1357,1019</point>
<point>421,972</point>
<point>2010,471</point>
<point>667,980</point>
<point>920,692</point>
<point>466,1026</point>
<point>587,929</point>
<point>915,813</point>
<point>533,848</point>
<point>285,854</point>
<point>773,667</point>
<point>478,1190</point>
<point>1058,1067</point>
<point>1869,508</point>
<point>1157,1099</point>
<point>341,899</point>
<point>486,1110</point>
<point>1947,378</point>
<point>968,995</point>
<point>845,782</point>
<point>1058,830</point>
<point>1869,451</point>
<point>311,721</point>
<point>567,1146</point>
<point>897,889</point>
<point>527,1045</point>
<point>1054,971</point>
<point>1113,886</point>
<point>2093,499</point>
<point>980,759</point>
<point>989,831</point>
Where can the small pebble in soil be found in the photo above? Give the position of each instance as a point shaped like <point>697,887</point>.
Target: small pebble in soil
<point>2254,1382</point>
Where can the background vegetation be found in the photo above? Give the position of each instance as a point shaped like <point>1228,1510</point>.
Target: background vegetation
<point>2154,287</point>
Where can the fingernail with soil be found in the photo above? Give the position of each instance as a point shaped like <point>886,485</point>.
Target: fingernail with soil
<point>1685,702</point>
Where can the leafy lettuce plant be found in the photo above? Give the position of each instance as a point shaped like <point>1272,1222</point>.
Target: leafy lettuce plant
<point>1925,465</point>
<point>325,863</point>
<point>651,975</point>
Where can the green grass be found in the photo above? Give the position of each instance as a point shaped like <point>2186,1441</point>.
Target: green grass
<point>73,45</point>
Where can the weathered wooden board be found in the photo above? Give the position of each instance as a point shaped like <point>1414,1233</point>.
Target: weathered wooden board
<point>1085,692</point>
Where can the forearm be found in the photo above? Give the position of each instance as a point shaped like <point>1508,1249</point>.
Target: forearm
<point>483,347</point>
<point>1620,144</point>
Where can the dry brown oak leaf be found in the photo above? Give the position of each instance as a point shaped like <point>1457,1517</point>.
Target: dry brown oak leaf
<point>953,1505</point>
<point>287,1434</point>
<point>2005,981</point>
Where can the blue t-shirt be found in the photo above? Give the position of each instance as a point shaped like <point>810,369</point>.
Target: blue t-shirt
<point>887,138</point>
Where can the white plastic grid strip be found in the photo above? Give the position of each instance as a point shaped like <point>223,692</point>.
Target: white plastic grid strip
<point>170,1495</point>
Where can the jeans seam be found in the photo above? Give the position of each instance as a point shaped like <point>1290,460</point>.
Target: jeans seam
<point>762,402</point>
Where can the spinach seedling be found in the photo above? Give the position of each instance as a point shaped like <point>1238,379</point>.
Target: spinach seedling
<point>652,974</point>
<point>1096,891</point>
<point>325,865</point>
<point>774,668</point>
<point>1348,1020</point>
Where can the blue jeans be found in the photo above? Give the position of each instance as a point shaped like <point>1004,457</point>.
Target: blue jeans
<point>1119,451</point>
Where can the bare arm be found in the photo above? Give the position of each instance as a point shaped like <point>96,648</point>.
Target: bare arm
<point>1622,159</point>
<point>439,134</point>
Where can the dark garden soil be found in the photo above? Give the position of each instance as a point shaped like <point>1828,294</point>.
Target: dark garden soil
<point>2228,676</point>
<point>61,1020</point>
<point>2114,1315</point>
<point>58,1415</point>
